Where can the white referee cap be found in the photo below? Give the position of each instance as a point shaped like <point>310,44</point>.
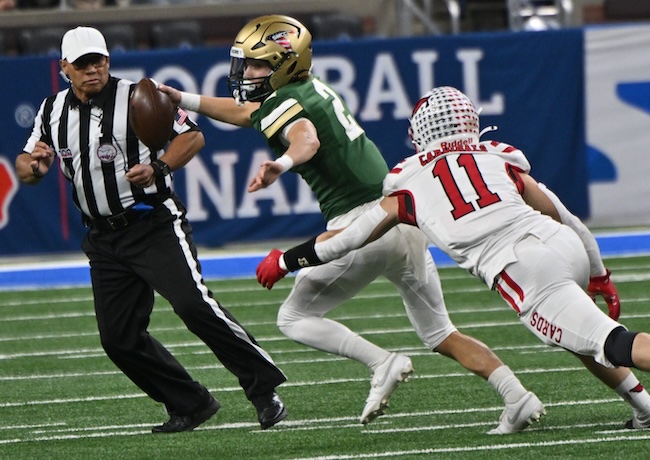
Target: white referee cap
<point>81,41</point>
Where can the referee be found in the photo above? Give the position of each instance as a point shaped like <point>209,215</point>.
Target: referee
<point>139,239</point>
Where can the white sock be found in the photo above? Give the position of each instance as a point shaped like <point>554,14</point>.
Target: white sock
<point>356,347</point>
<point>506,383</point>
<point>633,392</point>
<point>332,337</point>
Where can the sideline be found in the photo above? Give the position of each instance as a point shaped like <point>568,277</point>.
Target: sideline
<point>219,265</point>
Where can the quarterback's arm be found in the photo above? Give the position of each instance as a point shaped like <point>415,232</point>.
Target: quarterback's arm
<point>223,109</point>
<point>302,137</point>
<point>227,110</point>
<point>303,143</point>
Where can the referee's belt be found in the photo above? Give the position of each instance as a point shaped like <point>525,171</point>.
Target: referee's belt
<point>121,220</point>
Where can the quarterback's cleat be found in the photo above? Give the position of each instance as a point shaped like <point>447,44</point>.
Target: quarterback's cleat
<point>180,423</point>
<point>397,368</point>
<point>637,423</point>
<point>518,416</point>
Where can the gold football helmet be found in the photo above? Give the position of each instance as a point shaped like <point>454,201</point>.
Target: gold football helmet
<point>280,41</point>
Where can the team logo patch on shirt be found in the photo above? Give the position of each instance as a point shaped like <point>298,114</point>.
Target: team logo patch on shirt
<point>106,153</point>
<point>282,39</point>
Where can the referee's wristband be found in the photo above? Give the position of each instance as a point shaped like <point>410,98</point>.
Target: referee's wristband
<point>286,162</point>
<point>190,101</point>
<point>160,168</point>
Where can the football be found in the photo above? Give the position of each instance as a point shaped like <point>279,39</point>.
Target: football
<point>151,114</point>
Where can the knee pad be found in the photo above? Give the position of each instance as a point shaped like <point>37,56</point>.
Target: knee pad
<point>618,347</point>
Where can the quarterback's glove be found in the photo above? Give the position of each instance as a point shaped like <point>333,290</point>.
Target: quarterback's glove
<point>269,271</point>
<point>603,286</point>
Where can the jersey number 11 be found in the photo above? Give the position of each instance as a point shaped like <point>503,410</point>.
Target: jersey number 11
<point>462,207</point>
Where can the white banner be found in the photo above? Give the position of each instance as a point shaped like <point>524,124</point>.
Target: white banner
<point>617,74</point>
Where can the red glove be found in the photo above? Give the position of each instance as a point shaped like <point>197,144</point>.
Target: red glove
<point>269,271</point>
<point>603,286</point>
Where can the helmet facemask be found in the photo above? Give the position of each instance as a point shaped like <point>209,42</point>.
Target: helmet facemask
<point>251,89</point>
<point>444,115</point>
<point>279,41</point>
<point>247,89</point>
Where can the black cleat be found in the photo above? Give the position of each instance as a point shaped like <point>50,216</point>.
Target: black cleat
<point>179,423</point>
<point>270,409</point>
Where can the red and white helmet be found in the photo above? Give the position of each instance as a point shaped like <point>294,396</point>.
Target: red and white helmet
<point>444,114</point>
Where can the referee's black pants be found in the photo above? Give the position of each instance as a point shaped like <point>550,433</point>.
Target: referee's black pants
<point>157,253</point>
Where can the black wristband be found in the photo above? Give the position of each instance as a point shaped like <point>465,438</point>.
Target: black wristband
<point>157,170</point>
<point>160,168</point>
<point>303,255</point>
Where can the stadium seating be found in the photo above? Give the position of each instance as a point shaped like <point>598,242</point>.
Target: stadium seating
<point>336,26</point>
<point>119,37</point>
<point>180,34</point>
<point>45,41</point>
<point>627,9</point>
<point>539,14</point>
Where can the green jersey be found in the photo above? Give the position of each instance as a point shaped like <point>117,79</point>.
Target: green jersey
<point>348,169</point>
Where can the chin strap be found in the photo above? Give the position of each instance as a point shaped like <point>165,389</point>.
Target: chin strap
<point>239,96</point>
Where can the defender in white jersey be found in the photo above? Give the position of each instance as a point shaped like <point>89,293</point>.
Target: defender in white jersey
<point>477,202</point>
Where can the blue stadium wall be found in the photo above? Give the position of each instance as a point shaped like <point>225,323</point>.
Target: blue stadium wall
<point>530,85</point>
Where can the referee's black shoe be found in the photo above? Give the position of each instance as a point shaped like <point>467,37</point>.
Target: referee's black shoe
<point>178,423</point>
<point>270,409</point>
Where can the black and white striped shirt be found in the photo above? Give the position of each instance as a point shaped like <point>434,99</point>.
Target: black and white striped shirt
<point>97,146</point>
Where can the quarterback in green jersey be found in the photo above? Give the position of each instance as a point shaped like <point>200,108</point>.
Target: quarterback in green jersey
<point>348,169</point>
<point>312,132</point>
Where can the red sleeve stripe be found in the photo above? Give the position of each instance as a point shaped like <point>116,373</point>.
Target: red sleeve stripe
<point>406,210</point>
<point>505,148</point>
<point>515,174</point>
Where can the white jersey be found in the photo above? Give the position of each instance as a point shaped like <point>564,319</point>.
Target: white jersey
<point>468,203</point>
